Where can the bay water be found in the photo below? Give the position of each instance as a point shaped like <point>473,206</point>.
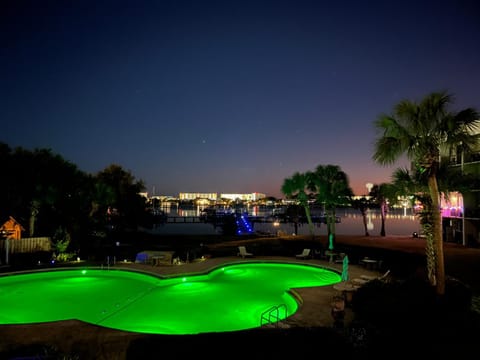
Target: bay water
<point>398,222</point>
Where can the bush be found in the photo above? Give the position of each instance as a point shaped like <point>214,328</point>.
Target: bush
<point>405,301</point>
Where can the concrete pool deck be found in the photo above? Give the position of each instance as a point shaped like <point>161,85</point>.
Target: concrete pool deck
<point>94,342</point>
<point>71,335</point>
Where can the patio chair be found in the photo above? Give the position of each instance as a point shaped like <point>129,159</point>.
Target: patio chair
<point>370,277</point>
<point>304,255</point>
<point>242,251</point>
<point>363,279</point>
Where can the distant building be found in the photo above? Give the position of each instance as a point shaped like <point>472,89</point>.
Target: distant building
<point>243,197</point>
<point>184,196</point>
<point>194,196</point>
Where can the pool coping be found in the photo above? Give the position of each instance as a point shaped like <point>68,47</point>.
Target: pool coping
<point>314,310</point>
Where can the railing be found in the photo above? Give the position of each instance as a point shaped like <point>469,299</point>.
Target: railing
<point>273,315</point>
<point>109,261</point>
<point>218,219</point>
<point>288,219</point>
<point>183,219</point>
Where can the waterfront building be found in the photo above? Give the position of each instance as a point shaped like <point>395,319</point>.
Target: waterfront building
<point>461,211</point>
<point>194,196</point>
<point>243,197</point>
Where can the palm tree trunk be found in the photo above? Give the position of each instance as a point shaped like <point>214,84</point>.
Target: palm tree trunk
<point>31,227</point>
<point>364,217</point>
<point>310,223</point>
<point>33,217</point>
<point>430,250</point>
<point>329,223</point>
<point>437,234</point>
<point>331,226</point>
<point>334,222</point>
<point>383,212</point>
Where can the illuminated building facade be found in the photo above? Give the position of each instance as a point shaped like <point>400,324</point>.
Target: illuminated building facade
<point>195,196</point>
<point>216,196</point>
<point>461,211</point>
<point>243,197</point>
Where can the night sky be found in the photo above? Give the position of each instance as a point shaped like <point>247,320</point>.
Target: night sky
<point>226,96</point>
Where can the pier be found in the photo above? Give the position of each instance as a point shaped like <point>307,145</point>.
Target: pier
<point>253,219</point>
<point>184,220</point>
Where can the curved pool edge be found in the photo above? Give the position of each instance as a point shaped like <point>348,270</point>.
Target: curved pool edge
<point>67,277</point>
<point>158,271</point>
<point>314,311</point>
<point>72,335</point>
<point>205,270</point>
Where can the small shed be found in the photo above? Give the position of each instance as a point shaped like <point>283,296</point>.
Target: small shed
<point>12,229</point>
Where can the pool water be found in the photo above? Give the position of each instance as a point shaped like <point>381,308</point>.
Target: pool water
<point>229,298</point>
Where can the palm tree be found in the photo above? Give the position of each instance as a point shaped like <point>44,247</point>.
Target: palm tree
<point>421,131</point>
<point>383,194</point>
<point>363,205</point>
<point>294,214</point>
<point>297,186</point>
<point>332,189</point>
<point>415,184</point>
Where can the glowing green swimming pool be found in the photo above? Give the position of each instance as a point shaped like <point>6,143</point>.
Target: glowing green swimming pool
<point>229,298</point>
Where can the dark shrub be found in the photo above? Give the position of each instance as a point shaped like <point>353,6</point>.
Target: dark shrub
<point>382,303</point>
<point>458,296</point>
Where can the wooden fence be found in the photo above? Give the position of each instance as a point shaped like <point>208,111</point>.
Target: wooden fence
<point>26,245</point>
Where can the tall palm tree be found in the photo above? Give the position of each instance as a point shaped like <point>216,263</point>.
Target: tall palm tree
<point>297,186</point>
<point>415,183</point>
<point>332,189</point>
<point>421,131</point>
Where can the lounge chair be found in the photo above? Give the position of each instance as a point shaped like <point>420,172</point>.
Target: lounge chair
<point>304,255</point>
<point>370,277</point>
<point>367,278</point>
<point>242,251</point>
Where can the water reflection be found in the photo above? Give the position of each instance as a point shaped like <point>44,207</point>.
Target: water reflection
<point>397,222</point>
<point>370,225</point>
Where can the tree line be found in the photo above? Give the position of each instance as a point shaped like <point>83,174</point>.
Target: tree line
<point>50,196</point>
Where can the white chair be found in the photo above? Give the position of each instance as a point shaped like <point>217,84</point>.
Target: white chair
<point>304,255</point>
<point>242,251</point>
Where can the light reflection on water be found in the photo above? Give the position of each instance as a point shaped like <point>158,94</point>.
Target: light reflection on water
<point>398,222</point>
<point>351,223</point>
